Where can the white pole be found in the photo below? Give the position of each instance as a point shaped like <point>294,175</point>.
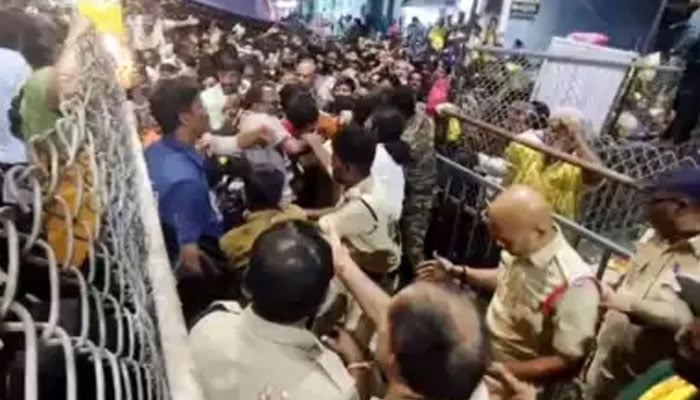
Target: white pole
<point>505,16</point>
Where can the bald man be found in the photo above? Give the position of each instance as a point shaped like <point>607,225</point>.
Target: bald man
<point>543,313</point>
<point>432,342</point>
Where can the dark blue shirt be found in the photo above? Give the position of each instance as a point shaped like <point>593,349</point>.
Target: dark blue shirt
<point>184,204</point>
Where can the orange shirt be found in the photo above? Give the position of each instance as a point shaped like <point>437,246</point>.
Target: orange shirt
<point>328,125</point>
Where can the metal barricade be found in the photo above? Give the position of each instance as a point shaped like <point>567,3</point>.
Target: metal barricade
<point>470,192</point>
<point>108,327</point>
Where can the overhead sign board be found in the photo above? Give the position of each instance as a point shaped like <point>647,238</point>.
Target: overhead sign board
<point>524,9</point>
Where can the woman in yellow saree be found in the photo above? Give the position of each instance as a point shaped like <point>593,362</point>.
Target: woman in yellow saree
<point>561,183</point>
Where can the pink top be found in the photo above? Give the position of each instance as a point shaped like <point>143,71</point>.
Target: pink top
<point>289,127</point>
<point>439,94</point>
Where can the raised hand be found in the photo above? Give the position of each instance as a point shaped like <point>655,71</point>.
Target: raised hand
<point>345,345</point>
<point>204,144</point>
<point>439,269</point>
<point>504,385</point>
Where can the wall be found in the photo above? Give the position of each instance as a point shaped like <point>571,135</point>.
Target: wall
<point>465,5</point>
<point>627,22</point>
<point>426,15</point>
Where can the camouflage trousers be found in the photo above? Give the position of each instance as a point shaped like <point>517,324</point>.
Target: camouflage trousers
<point>414,227</point>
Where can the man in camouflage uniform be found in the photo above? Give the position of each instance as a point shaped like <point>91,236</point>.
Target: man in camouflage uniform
<point>421,173</point>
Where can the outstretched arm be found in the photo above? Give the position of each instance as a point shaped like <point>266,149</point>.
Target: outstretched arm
<point>372,299</point>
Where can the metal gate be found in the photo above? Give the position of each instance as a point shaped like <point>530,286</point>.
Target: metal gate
<point>89,308</point>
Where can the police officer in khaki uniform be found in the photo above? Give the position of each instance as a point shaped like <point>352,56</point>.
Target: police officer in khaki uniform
<point>645,311</point>
<point>239,353</point>
<point>363,217</point>
<point>543,314</point>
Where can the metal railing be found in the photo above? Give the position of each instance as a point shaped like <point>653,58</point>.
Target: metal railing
<point>469,192</point>
<point>88,307</point>
<point>598,169</point>
<point>611,207</point>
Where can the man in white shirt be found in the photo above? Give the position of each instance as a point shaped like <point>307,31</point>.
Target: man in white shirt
<point>393,155</point>
<point>148,31</point>
<point>215,98</point>
<point>391,176</point>
<point>239,353</point>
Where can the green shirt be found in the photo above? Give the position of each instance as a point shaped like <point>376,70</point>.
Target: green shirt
<point>38,116</point>
<point>656,374</point>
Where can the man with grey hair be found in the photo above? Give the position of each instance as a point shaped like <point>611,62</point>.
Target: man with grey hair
<point>431,339</point>
<point>320,86</point>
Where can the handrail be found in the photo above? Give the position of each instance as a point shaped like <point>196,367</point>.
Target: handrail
<point>177,353</point>
<point>637,62</point>
<point>568,224</point>
<point>586,165</point>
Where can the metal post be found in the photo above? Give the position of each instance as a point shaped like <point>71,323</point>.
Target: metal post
<point>654,30</point>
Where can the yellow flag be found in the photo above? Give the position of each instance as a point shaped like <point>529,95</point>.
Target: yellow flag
<point>107,16</point>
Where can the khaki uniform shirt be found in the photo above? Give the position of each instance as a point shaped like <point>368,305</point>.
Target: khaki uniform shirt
<point>365,222</point>
<point>238,355</point>
<point>629,343</point>
<point>519,330</point>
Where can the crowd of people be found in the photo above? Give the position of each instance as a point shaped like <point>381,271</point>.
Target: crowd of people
<point>295,179</point>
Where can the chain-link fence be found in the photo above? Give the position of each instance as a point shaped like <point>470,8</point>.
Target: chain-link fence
<point>82,276</point>
<point>644,107</point>
<point>631,99</point>
<point>609,91</point>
